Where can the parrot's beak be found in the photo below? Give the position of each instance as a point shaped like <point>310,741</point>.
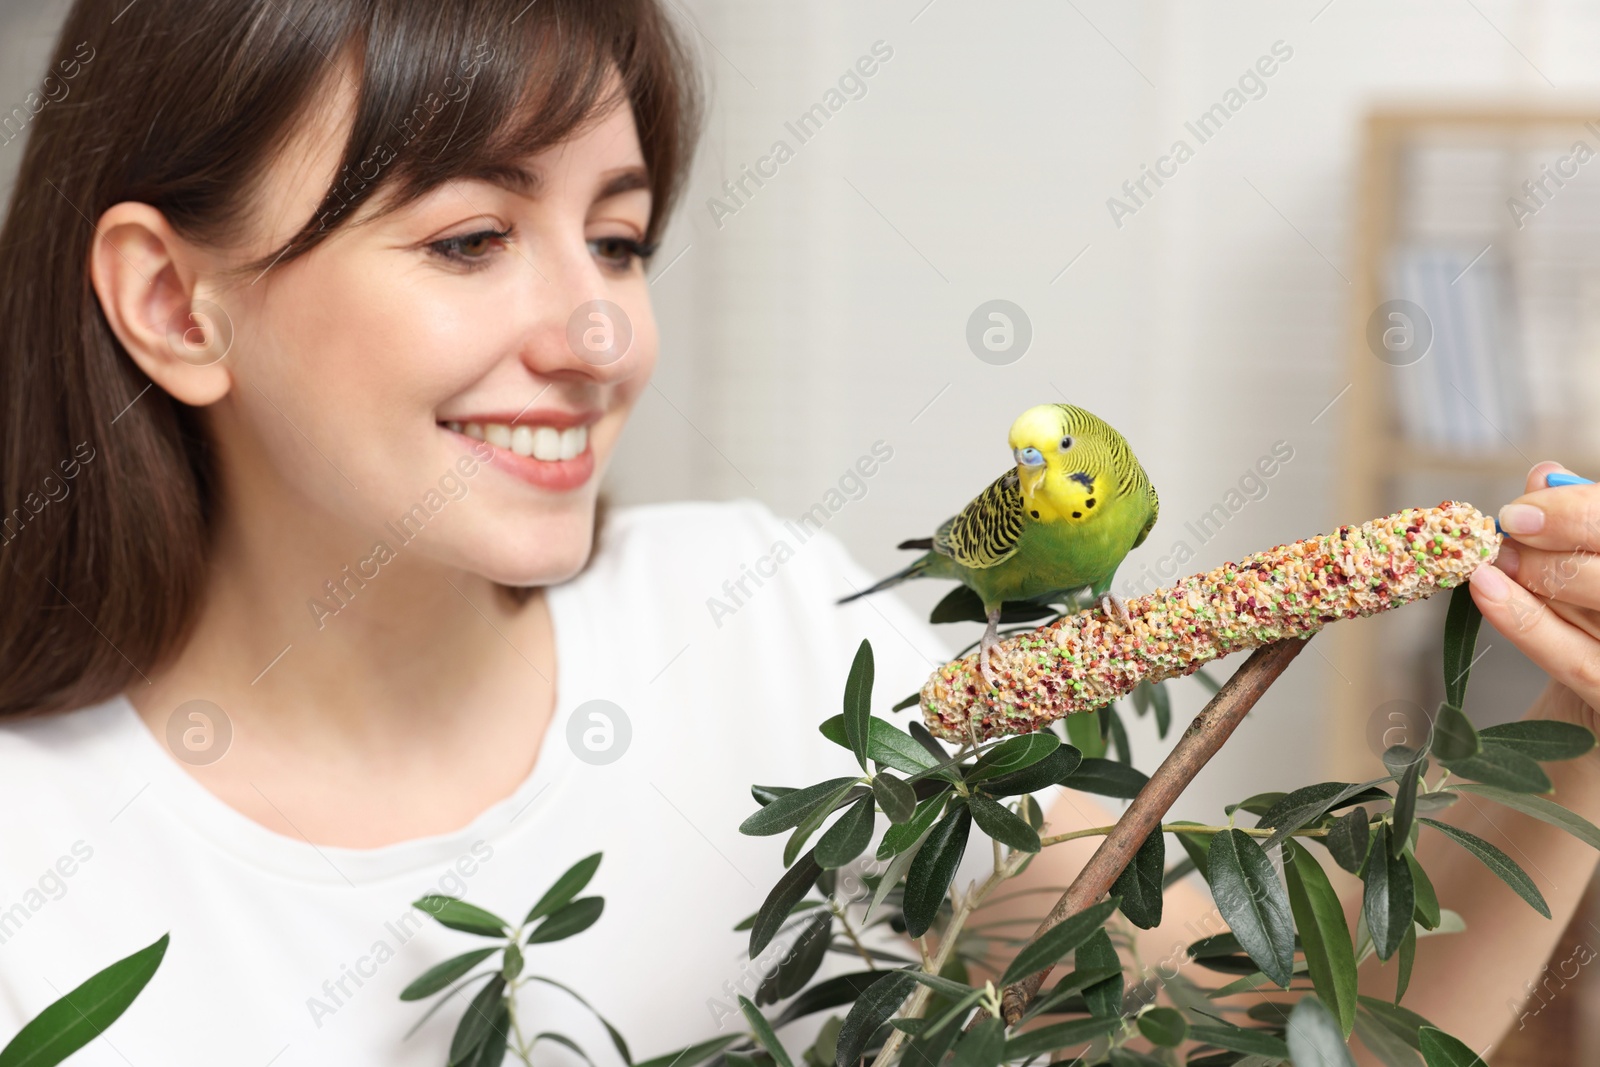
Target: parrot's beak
<point>1031,474</point>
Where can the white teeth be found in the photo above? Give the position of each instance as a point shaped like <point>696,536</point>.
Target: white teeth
<point>522,438</point>
<point>541,442</point>
<point>547,444</point>
<point>573,441</point>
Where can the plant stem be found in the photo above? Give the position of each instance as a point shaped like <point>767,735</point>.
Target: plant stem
<point>1184,828</point>
<point>850,932</point>
<point>947,945</point>
<point>1200,741</point>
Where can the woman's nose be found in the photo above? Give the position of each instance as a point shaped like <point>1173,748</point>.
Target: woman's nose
<point>581,329</point>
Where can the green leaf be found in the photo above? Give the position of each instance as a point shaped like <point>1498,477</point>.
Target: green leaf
<point>1324,934</point>
<point>1540,808</point>
<point>1140,883</point>
<point>1542,739</point>
<point>72,1021</point>
<point>1405,807</point>
<point>1427,909</point>
<point>1314,1036</point>
<point>1104,998</point>
<point>858,704</point>
<point>1501,864</point>
<point>611,1031</point>
<point>1348,839</point>
<point>459,915</point>
<point>1454,736</point>
<point>1106,778</point>
<point>1054,769</point>
<point>982,1046</point>
<point>1060,1035</point>
<point>1460,637</point>
<point>477,1021</point>
<point>1163,706</point>
<point>694,1055</point>
<point>491,1051</point>
<point>1401,1022</point>
<point>1084,734</point>
<point>1013,754</point>
<point>1259,804</point>
<point>569,885</point>
<point>898,838</point>
<point>961,604</point>
<point>1070,986</point>
<point>801,963</point>
<point>511,965</point>
<point>1253,903</point>
<point>795,884</point>
<point>848,837</point>
<point>931,873</point>
<point>1196,846</point>
<point>1164,1026</point>
<point>1388,898</point>
<point>1002,824</point>
<point>758,1022</point>
<point>813,821</point>
<point>872,1009</point>
<point>1060,939</point>
<point>1311,803</point>
<point>766,794</point>
<point>829,993</point>
<point>440,975</point>
<point>897,799</point>
<point>1439,1049</point>
<point>1211,685</point>
<point>569,919</point>
<point>1118,733</point>
<point>1408,956</point>
<point>886,744</point>
<point>1239,1039</point>
<point>790,809</point>
<point>1504,767</point>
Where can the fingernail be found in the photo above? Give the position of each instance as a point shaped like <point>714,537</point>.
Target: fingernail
<point>1559,478</point>
<point>1516,519</point>
<point>1508,560</point>
<point>1494,585</point>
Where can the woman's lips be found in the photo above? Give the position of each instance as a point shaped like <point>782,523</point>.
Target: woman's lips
<point>550,458</point>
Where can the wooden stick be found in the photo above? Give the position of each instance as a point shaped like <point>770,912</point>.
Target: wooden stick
<point>1200,741</point>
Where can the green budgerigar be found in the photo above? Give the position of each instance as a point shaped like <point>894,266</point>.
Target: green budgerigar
<point>1058,523</point>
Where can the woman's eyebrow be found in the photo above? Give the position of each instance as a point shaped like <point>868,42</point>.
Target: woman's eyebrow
<point>528,182</point>
<point>624,181</point>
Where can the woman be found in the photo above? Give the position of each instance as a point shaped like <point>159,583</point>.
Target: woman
<point>340,315</point>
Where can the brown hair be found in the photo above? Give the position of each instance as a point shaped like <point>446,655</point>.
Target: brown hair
<point>181,104</point>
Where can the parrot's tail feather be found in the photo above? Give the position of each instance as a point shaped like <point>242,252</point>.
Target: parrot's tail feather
<point>914,571</point>
<point>924,543</point>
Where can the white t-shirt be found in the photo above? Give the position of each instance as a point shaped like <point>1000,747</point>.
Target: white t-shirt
<point>285,953</point>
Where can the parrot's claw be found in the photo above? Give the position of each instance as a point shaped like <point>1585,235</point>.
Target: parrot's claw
<point>985,644</point>
<point>1116,607</point>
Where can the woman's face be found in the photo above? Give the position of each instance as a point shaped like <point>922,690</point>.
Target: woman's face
<point>492,319</point>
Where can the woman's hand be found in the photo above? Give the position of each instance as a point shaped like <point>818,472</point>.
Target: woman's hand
<point>1550,607</point>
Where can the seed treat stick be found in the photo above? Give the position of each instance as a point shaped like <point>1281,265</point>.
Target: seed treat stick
<point>1081,661</point>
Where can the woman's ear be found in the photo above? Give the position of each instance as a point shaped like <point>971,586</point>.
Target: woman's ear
<point>143,272</point>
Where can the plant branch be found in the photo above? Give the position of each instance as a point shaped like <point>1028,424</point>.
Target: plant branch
<point>1201,740</point>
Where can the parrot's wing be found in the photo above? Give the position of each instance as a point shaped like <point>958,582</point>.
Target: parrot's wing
<point>987,530</point>
<point>1155,508</point>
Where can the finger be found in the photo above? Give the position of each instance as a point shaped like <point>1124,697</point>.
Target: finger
<point>1539,472</point>
<point>1557,519</point>
<point>1585,619</point>
<point>1567,653</point>
<point>1569,577</point>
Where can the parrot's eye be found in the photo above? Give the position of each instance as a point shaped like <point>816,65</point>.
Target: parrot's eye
<point>1066,443</point>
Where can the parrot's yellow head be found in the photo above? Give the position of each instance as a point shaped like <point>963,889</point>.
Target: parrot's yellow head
<point>1066,462</point>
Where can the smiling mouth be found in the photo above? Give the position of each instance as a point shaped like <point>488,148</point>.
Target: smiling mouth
<point>544,443</point>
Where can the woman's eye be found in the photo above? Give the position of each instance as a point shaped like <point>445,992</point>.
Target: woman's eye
<point>619,253</point>
<point>1066,443</point>
<point>469,248</point>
